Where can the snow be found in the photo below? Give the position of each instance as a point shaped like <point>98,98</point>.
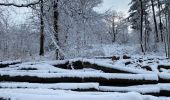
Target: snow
<point>164,75</point>
<point>44,94</point>
<point>140,89</point>
<point>150,88</point>
<point>164,86</point>
<point>58,62</point>
<point>43,67</point>
<point>119,65</point>
<point>63,91</point>
<point>10,62</point>
<point>116,49</point>
<point>62,86</point>
<point>84,75</point>
<point>135,67</point>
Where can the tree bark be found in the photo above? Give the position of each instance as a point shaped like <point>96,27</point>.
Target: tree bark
<point>169,31</point>
<point>146,34</point>
<point>56,16</point>
<point>155,22</point>
<point>141,26</point>
<point>41,53</point>
<point>160,20</point>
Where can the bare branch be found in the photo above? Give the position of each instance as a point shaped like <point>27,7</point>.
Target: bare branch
<point>20,5</point>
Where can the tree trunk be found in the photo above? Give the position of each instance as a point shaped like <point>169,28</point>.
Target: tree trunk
<point>113,30</point>
<point>169,33</point>
<point>160,20</point>
<point>56,16</point>
<point>41,29</point>
<point>141,26</point>
<point>146,34</point>
<point>155,22</point>
<point>166,35</point>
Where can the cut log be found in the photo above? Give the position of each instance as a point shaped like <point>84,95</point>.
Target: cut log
<point>101,78</point>
<point>7,63</point>
<point>164,93</point>
<point>115,58</point>
<point>1,98</point>
<point>103,57</point>
<point>164,78</point>
<point>142,89</point>
<point>81,65</point>
<point>163,66</point>
<point>55,86</point>
<point>126,57</point>
<point>62,65</point>
<point>107,68</point>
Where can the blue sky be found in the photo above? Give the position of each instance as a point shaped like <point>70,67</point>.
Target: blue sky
<point>118,5</point>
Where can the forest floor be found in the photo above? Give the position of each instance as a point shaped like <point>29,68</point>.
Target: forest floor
<point>111,78</point>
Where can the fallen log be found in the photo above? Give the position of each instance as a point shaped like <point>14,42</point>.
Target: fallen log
<point>142,89</point>
<point>1,98</point>
<point>163,66</point>
<point>55,86</point>
<point>107,68</point>
<point>7,63</point>
<point>81,65</point>
<point>101,78</point>
<point>164,77</point>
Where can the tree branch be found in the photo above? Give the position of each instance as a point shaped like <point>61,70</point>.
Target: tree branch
<point>20,5</point>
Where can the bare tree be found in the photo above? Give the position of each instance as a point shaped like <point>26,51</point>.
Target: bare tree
<point>41,52</point>
<point>20,5</point>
